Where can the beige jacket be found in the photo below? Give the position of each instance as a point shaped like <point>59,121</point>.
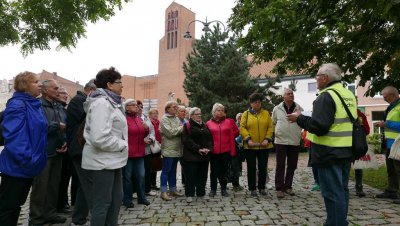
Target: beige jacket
<point>286,133</point>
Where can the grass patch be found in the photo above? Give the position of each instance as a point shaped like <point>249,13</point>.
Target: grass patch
<point>376,178</point>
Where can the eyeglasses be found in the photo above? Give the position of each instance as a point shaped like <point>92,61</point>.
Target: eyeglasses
<point>118,82</point>
<point>135,105</point>
<point>199,114</point>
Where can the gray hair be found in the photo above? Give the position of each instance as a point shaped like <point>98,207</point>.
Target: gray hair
<point>181,107</point>
<point>90,85</point>
<point>46,83</point>
<point>168,104</point>
<point>238,115</point>
<point>128,101</point>
<point>332,70</point>
<point>285,90</point>
<point>192,110</point>
<point>215,108</point>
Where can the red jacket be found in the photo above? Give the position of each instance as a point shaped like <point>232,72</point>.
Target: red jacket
<point>136,135</point>
<point>364,121</point>
<point>156,125</point>
<point>224,133</point>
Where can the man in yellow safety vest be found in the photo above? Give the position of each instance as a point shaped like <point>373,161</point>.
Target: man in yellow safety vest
<point>391,126</point>
<point>330,132</point>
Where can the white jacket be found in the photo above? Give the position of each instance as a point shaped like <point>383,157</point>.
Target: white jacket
<point>106,134</point>
<point>286,133</point>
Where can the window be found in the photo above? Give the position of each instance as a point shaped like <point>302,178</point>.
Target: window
<point>378,115</point>
<point>312,87</point>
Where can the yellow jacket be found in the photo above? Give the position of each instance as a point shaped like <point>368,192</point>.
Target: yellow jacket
<point>257,127</point>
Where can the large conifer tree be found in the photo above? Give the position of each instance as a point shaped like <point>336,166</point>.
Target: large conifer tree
<point>217,71</point>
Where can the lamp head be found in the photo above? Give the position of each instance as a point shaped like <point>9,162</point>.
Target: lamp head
<point>187,35</point>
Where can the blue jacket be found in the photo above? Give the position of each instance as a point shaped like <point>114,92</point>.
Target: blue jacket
<point>25,134</point>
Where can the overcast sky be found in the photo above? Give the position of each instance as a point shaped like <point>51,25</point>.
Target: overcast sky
<point>129,41</point>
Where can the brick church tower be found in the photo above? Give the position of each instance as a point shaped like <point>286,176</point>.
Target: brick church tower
<point>173,49</point>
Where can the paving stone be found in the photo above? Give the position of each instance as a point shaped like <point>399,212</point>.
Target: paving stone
<point>305,208</point>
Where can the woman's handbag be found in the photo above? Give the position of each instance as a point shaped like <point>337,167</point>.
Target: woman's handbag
<point>155,147</point>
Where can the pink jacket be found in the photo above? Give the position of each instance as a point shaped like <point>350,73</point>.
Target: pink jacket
<point>224,133</point>
<point>136,135</point>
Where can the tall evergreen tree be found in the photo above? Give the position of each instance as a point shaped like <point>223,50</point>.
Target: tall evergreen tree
<point>217,71</point>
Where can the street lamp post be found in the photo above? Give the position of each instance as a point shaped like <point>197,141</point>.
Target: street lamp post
<point>206,27</point>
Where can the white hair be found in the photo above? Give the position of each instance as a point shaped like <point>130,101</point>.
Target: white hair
<point>332,70</point>
<point>193,110</point>
<point>215,108</point>
<point>285,90</point>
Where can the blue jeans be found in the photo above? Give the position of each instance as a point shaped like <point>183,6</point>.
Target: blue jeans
<point>333,181</point>
<point>135,167</point>
<point>168,174</point>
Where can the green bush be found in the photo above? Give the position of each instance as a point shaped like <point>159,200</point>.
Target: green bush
<point>375,139</point>
<point>376,178</point>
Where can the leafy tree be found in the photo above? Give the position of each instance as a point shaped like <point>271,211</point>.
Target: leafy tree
<point>34,23</point>
<point>216,71</point>
<point>362,37</point>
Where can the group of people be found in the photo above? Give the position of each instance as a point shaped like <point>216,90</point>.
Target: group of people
<point>110,141</point>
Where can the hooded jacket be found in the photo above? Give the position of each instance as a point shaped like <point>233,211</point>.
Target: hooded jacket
<point>106,133</point>
<point>25,134</point>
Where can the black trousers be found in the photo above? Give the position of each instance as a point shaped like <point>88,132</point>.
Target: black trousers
<point>196,178</point>
<point>256,158</point>
<point>219,167</point>
<point>13,194</point>
<point>66,173</point>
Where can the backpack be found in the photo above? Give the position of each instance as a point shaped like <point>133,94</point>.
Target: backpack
<point>79,133</point>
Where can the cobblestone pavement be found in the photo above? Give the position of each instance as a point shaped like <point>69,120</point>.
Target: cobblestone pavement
<point>305,208</point>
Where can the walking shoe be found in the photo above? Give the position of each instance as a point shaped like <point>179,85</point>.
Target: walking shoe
<point>253,193</point>
<point>269,186</point>
<point>164,196</point>
<point>56,220</point>
<point>359,191</point>
<point>189,199</point>
<point>175,193</point>
<point>237,188</point>
<point>129,205</point>
<point>315,187</point>
<point>289,191</point>
<point>144,202</point>
<point>387,195</point>
<point>280,194</point>
<point>212,193</point>
<point>224,193</point>
<point>263,192</point>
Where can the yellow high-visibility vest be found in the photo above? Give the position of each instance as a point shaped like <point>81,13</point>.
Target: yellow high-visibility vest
<point>394,115</point>
<point>340,132</point>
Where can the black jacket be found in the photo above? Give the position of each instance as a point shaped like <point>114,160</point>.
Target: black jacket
<point>195,138</point>
<point>75,115</point>
<point>323,116</point>
<point>55,113</point>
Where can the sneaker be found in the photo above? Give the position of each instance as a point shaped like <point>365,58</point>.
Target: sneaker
<point>269,186</point>
<point>289,191</point>
<point>212,193</point>
<point>315,187</point>
<point>387,195</point>
<point>189,199</point>
<point>253,193</point>
<point>263,192</point>
<point>237,188</point>
<point>359,191</point>
<point>151,193</point>
<point>224,193</point>
<point>280,194</point>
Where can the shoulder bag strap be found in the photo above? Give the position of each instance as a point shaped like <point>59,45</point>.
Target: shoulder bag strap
<point>344,105</point>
